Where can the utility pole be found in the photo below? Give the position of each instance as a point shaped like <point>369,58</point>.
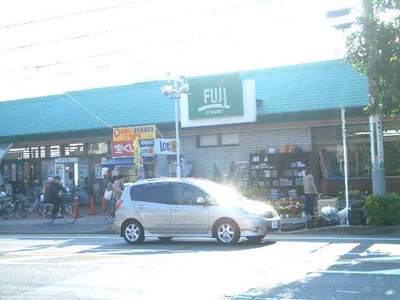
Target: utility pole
<point>375,120</point>
<point>346,163</point>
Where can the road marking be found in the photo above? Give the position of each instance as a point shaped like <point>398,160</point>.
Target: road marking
<point>379,272</point>
<point>238,297</point>
<point>348,292</point>
<point>330,238</point>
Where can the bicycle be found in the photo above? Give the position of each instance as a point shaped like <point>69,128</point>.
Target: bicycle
<point>19,206</point>
<point>37,206</point>
<point>6,206</point>
<point>66,210</point>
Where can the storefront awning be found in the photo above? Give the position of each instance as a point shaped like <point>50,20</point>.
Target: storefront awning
<point>4,149</point>
<point>114,162</point>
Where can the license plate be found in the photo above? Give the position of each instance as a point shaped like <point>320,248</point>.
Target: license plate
<point>275,224</point>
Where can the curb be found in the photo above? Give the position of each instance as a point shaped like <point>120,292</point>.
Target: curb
<point>57,232</point>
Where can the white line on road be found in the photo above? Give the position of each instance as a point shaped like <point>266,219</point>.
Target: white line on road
<point>330,238</point>
<point>348,292</point>
<point>260,297</point>
<point>379,272</point>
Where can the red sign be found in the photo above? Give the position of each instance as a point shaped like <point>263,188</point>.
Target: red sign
<point>122,149</point>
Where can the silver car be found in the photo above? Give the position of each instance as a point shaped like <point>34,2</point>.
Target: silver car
<point>190,207</point>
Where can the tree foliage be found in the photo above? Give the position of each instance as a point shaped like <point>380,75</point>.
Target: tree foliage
<point>374,49</point>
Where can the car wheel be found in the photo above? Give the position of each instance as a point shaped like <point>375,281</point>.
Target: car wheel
<point>165,238</point>
<point>133,232</point>
<point>227,232</point>
<point>255,239</point>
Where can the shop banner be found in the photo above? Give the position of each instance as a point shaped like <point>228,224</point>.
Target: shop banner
<point>165,146</point>
<point>125,141</point>
<point>146,143</point>
<point>145,132</point>
<point>123,134</point>
<point>217,96</point>
<point>122,149</point>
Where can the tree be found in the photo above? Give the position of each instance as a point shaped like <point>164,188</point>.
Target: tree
<point>374,50</point>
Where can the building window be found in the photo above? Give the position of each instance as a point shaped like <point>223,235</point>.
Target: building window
<point>230,139</point>
<point>98,148</point>
<point>208,140</point>
<point>215,140</point>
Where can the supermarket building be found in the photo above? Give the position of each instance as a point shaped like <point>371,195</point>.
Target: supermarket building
<point>287,117</point>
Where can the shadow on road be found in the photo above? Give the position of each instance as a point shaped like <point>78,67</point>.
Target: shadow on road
<point>351,276</point>
<point>150,246</point>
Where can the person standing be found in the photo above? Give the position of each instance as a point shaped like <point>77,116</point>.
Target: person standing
<point>310,192</point>
<point>117,187</point>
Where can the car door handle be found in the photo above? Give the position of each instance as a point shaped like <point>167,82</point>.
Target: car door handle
<point>175,209</point>
<point>140,206</point>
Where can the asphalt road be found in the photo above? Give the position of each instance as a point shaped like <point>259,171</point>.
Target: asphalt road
<point>282,267</point>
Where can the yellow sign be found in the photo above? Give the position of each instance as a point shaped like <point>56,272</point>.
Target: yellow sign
<point>123,134</point>
<point>145,132</point>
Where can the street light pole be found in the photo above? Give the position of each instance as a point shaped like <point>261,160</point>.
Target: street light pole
<point>174,92</point>
<point>178,142</point>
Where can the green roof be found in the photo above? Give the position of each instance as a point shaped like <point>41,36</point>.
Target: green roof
<point>298,88</point>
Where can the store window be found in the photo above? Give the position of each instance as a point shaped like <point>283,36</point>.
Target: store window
<point>328,142</point>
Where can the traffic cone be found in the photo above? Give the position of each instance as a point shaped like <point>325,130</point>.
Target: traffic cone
<point>103,205</point>
<point>92,206</point>
<point>75,209</point>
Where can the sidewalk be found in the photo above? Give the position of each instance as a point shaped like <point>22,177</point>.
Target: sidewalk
<point>86,224</point>
<point>96,224</point>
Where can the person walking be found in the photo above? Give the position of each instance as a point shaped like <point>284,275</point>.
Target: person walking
<point>310,192</point>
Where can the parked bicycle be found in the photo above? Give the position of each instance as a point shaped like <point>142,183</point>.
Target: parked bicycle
<point>6,206</point>
<point>37,205</point>
<point>20,206</point>
<point>65,208</point>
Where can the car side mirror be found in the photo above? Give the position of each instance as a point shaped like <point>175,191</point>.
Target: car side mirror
<point>201,201</point>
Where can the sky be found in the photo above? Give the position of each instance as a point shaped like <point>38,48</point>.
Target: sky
<point>50,47</point>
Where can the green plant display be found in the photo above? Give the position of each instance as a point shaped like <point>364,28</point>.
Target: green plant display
<point>383,210</point>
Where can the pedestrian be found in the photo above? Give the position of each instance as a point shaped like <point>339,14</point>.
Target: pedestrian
<point>46,189</point>
<point>117,187</point>
<point>56,192</point>
<point>310,192</point>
